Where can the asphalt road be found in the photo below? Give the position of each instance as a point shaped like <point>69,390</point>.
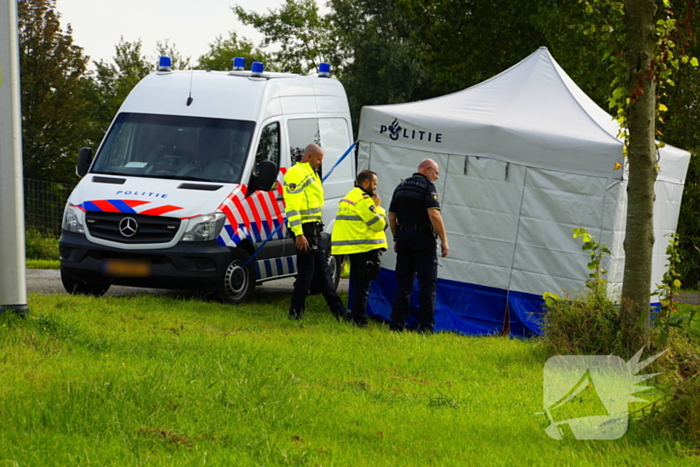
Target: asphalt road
<point>48,281</point>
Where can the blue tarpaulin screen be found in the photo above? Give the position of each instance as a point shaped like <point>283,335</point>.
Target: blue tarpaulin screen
<point>465,308</point>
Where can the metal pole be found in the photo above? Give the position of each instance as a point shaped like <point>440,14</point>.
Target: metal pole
<point>13,285</point>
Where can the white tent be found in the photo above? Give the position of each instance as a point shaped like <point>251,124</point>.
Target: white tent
<point>525,157</point>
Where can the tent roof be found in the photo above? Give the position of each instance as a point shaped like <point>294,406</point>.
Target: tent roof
<point>531,114</point>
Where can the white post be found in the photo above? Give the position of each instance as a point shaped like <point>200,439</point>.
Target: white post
<point>13,285</point>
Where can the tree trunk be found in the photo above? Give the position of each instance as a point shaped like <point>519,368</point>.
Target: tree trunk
<point>639,240</point>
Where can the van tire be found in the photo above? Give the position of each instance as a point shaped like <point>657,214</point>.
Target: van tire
<point>76,287</point>
<point>335,262</point>
<point>238,284</point>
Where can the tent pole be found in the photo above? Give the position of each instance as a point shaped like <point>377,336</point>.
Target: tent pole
<point>506,324</point>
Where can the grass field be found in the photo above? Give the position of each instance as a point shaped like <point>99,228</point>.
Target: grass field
<point>43,264</point>
<point>162,381</point>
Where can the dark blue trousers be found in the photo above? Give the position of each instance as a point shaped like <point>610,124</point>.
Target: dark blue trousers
<point>416,254</point>
<point>360,281</point>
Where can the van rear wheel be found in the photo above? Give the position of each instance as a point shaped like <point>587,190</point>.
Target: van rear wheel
<point>238,283</point>
<point>76,287</point>
<point>335,263</point>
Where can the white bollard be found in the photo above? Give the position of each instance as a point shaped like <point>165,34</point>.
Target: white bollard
<point>13,283</point>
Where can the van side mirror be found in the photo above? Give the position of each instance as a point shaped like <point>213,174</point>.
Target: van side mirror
<point>267,175</point>
<point>84,161</point>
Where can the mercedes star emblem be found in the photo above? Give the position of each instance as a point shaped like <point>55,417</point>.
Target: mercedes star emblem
<point>128,227</point>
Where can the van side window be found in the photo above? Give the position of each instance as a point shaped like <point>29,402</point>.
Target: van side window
<point>331,133</point>
<point>269,146</point>
<point>301,132</point>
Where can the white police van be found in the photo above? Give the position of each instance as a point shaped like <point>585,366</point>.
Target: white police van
<point>187,183</point>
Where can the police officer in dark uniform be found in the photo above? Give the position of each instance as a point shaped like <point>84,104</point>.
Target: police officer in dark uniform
<point>415,222</point>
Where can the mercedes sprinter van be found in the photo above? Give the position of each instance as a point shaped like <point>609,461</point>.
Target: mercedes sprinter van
<point>187,182</point>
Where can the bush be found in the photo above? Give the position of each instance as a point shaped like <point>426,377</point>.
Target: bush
<point>678,411</point>
<point>40,244</point>
<point>587,323</point>
<point>582,325</point>
<point>590,324</point>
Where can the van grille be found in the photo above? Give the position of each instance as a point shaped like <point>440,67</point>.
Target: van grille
<point>149,229</point>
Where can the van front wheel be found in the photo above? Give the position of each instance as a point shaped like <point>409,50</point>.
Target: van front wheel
<point>238,283</point>
<point>76,287</point>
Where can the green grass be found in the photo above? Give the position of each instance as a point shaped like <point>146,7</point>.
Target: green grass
<point>159,381</point>
<point>43,264</point>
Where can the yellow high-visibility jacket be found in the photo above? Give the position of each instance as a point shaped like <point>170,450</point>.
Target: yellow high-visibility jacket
<point>303,196</point>
<point>359,225</point>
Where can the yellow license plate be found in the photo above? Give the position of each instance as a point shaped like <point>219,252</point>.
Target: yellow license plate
<point>126,268</point>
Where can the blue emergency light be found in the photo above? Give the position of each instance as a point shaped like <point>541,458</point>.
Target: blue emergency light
<point>164,63</point>
<point>324,70</point>
<point>238,63</point>
<point>257,68</point>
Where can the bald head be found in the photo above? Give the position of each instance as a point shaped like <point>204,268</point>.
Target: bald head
<point>429,169</point>
<point>313,154</point>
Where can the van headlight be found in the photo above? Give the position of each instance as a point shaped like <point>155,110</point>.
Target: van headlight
<point>73,219</point>
<point>204,228</point>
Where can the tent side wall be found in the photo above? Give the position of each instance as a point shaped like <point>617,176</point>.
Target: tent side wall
<point>667,204</point>
<point>510,232</point>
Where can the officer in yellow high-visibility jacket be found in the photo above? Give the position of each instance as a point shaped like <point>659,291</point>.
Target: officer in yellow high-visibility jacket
<point>303,196</point>
<point>359,233</point>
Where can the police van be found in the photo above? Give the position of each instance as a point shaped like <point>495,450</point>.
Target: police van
<point>187,184</point>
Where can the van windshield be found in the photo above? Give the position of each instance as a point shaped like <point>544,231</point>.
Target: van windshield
<point>167,146</point>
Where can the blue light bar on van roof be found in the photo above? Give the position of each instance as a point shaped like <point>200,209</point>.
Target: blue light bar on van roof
<point>257,68</point>
<point>239,64</point>
<point>324,70</point>
<point>164,63</point>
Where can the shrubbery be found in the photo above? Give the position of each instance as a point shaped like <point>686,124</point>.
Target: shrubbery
<point>40,245</point>
<point>589,324</point>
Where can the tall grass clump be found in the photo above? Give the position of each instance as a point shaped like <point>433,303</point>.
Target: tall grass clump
<point>587,322</point>
<point>675,332</point>
<point>40,245</point>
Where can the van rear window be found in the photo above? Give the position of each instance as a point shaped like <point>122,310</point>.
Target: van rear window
<point>167,146</point>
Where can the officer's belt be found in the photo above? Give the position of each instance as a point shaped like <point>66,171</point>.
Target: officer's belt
<point>417,227</point>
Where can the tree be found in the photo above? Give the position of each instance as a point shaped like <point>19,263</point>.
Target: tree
<point>222,52</point>
<point>642,51</point>
<point>112,82</point>
<point>53,71</point>
<point>405,50</point>
<point>177,61</point>
<point>680,129</point>
<point>582,39</point>
<point>305,38</point>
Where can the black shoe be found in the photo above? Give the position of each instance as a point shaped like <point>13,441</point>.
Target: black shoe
<point>343,315</point>
<point>360,323</point>
<point>295,314</point>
